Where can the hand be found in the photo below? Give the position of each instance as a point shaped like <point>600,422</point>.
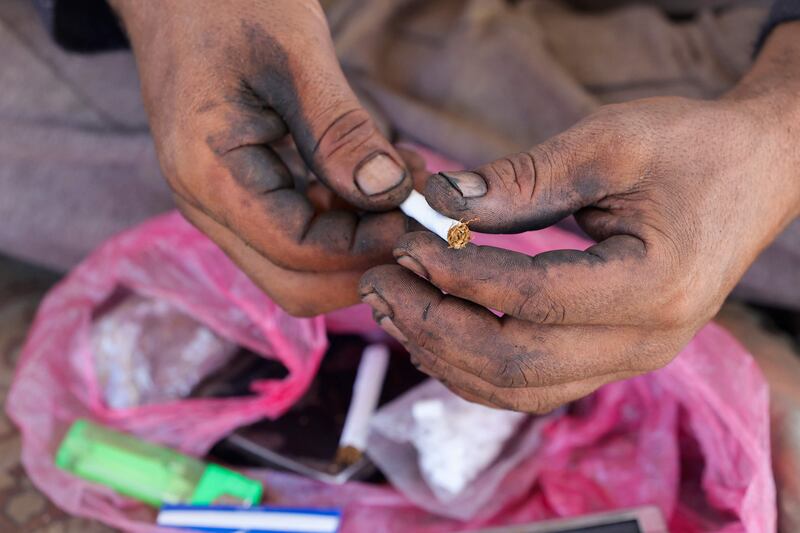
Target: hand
<point>680,195</point>
<point>223,84</point>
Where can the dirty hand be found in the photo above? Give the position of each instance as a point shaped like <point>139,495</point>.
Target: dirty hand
<point>230,85</point>
<point>680,195</point>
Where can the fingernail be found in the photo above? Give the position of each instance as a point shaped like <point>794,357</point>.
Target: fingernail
<point>378,174</point>
<point>469,184</point>
<point>414,266</point>
<point>377,303</point>
<point>388,326</point>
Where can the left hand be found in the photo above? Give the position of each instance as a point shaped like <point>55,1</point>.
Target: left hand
<point>236,91</point>
<point>681,196</point>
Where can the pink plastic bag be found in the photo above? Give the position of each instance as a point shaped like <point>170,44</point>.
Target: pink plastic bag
<point>692,438</point>
<point>165,259</point>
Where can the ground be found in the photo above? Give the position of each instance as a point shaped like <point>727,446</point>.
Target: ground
<point>22,507</point>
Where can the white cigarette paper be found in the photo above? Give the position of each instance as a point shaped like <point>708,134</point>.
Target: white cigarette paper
<point>416,206</point>
<point>366,392</point>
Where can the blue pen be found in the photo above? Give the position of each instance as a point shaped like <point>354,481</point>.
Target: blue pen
<point>265,519</point>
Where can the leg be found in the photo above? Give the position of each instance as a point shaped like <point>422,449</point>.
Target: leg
<point>78,163</point>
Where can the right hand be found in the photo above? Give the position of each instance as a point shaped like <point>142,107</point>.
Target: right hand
<point>223,84</point>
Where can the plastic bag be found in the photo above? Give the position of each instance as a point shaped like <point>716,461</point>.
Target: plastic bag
<point>691,438</point>
<point>447,455</point>
<point>56,381</point>
<point>147,351</point>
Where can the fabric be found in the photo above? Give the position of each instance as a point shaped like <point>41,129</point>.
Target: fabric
<point>474,79</point>
<point>782,11</point>
<point>78,162</point>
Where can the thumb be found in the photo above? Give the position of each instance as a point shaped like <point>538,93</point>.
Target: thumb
<point>336,136</point>
<point>533,189</point>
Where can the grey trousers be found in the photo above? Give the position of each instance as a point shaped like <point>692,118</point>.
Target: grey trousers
<point>77,163</point>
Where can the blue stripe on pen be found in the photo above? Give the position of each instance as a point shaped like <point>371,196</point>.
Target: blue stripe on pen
<point>260,509</point>
<point>229,530</point>
<point>199,510</point>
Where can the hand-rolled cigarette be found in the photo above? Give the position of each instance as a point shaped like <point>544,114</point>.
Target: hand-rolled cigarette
<point>455,232</point>
<point>366,392</point>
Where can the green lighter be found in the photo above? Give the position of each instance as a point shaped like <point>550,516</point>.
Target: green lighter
<point>149,473</point>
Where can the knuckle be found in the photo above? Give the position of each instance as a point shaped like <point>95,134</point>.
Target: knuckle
<point>521,305</point>
<point>680,308</point>
<point>181,164</point>
<point>500,400</point>
<point>514,401</point>
<point>540,406</point>
<point>421,360</point>
<point>345,131</point>
<point>676,304</point>
<point>536,403</point>
<point>616,140</point>
<point>374,279</point>
<point>538,307</point>
<point>509,372</point>
<point>551,159</point>
<point>417,244</point>
<point>426,340</point>
<point>515,173</point>
<point>673,295</point>
<point>609,116</point>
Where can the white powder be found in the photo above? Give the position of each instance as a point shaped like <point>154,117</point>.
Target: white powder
<point>456,440</point>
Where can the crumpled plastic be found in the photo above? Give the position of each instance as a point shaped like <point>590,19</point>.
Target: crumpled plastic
<point>463,450</point>
<point>146,352</point>
<point>691,438</point>
<point>56,381</point>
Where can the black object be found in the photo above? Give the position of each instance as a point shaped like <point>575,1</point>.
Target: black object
<point>306,438</point>
<point>782,11</point>
<point>645,519</point>
<point>82,25</point>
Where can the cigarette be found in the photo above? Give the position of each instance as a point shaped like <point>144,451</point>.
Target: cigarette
<point>366,392</point>
<point>455,232</point>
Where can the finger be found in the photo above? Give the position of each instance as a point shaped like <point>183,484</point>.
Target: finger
<point>299,293</point>
<point>535,400</point>
<point>601,285</point>
<point>323,198</point>
<point>335,135</point>
<point>539,401</point>
<point>416,166</point>
<point>470,397</point>
<point>534,189</point>
<point>421,359</point>
<point>249,190</point>
<point>505,353</point>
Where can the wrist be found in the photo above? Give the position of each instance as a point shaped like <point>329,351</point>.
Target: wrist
<point>770,95</point>
<point>774,79</point>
